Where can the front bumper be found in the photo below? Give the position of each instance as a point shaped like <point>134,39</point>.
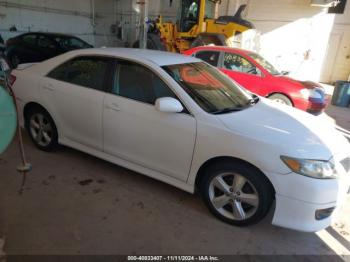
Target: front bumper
<point>300,215</point>
<point>298,198</point>
<point>311,105</point>
<point>316,106</point>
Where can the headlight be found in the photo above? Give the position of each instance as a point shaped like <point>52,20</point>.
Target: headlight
<point>315,93</point>
<point>312,168</point>
<point>305,93</point>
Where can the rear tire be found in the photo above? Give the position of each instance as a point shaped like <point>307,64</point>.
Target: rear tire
<point>282,99</point>
<point>209,39</point>
<point>236,193</point>
<point>42,129</point>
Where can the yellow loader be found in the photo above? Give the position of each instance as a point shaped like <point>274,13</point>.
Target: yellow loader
<point>194,27</point>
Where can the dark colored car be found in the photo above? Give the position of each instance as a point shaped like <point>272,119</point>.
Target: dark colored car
<point>37,47</point>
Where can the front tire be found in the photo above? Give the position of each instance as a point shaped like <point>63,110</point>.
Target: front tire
<point>236,193</point>
<point>42,129</point>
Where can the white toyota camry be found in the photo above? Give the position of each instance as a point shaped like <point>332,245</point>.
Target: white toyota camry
<point>181,121</point>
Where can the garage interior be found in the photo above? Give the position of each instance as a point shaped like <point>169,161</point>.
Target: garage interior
<point>301,37</point>
<point>76,204</point>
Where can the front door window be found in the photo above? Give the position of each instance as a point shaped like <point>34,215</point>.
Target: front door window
<point>240,64</point>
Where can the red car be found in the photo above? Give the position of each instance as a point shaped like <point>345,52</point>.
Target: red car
<point>258,76</point>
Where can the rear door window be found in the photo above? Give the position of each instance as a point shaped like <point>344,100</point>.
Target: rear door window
<point>45,42</point>
<point>211,57</point>
<point>91,72</point>
<point>71,42</point>
<point>29,39</point>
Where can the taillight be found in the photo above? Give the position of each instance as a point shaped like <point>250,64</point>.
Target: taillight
<point>12,80</point>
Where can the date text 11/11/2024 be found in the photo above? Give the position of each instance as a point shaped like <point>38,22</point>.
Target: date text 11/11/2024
<point>173,258</point>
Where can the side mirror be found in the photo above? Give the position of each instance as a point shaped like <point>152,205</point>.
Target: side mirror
<point>168,105</point>
<point>257,72</point>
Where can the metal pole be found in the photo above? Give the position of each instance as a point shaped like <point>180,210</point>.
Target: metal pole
<point>93,13</point>
<point>143,23</point>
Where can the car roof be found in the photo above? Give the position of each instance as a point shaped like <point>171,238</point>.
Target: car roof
<point>47,34</point>
<point>161,58</point>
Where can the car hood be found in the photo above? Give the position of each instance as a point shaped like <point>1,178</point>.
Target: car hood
<point>294,132</point>
<point>302,84</point>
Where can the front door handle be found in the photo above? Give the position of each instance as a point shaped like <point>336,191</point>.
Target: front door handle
<point>49,87</point>
<point>113,106</point>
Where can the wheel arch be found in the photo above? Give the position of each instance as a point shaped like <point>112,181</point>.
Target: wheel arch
<point>217,160</point>
<point>30,105</point>
<point>281,93</point>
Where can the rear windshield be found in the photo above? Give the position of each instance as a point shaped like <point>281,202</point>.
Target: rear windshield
<point>71,42</point>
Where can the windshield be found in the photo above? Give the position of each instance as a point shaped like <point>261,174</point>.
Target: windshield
<point>265,64</point>
<point>71,43</point>
<point>209,88</point>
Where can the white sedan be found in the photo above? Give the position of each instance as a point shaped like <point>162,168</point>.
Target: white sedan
<point>181,121</point>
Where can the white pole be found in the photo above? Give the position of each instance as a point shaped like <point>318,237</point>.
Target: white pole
<point>143,23</point>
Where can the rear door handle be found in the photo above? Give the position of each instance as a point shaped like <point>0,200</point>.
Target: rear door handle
<point>113,106</point>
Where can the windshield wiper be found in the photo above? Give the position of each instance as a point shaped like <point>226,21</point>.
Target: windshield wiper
<point>227,110</point>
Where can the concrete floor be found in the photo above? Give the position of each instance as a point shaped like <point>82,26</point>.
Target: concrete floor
<point>122,212</point>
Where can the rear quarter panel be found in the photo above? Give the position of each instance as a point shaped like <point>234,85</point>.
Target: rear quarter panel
<point>26,89</point>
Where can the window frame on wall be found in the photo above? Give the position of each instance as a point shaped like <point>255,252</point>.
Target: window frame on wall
<point>339,8</point>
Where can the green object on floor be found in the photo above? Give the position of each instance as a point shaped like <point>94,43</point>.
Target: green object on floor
<point>8,119</point>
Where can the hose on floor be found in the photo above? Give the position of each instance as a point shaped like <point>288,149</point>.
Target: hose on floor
<point>24,167</point>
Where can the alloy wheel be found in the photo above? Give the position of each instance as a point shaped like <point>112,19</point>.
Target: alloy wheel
<point>281,101</point>
<point>233,196</point>
<point>41,129</point>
